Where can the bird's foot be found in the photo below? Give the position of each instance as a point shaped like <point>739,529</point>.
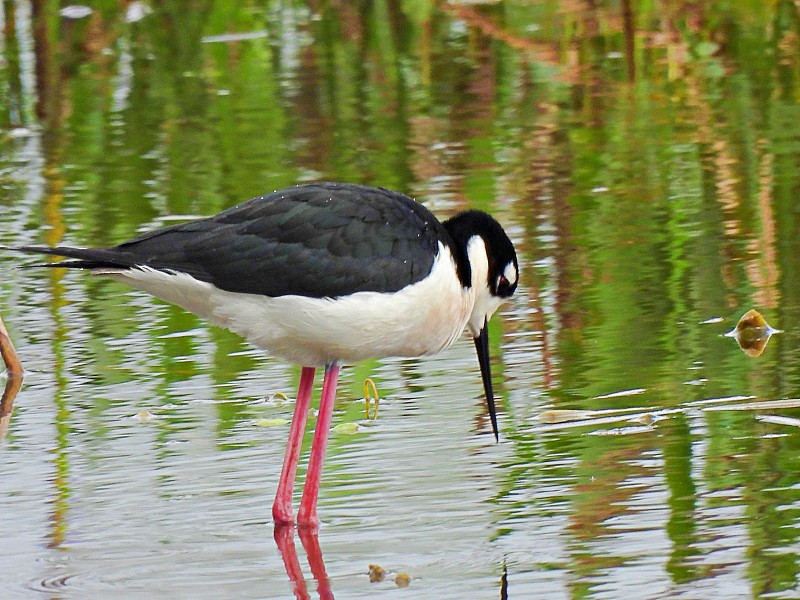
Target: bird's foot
<point>307,521</point>
<point>282,514</point>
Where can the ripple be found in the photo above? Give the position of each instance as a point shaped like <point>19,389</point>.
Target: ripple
<point>52,583</point>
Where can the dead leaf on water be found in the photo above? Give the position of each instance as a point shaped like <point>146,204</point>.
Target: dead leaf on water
<point>752,333</point>
<point>277,399</point>
<point>144,416</point>
<point>752,319</point>
<point>376,573</point>
<point>647,418</point>
<point>348,428</point>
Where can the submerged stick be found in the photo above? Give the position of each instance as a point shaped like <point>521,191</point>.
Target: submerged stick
<point>9,355</point>
<point>13,381</point>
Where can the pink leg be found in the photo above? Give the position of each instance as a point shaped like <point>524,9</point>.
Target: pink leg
<point>282,508</point>
<point>307,515</point>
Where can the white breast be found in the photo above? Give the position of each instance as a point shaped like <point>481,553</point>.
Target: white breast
<point>422,318</point>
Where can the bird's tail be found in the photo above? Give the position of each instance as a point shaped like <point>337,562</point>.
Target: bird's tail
<point>80,258</point>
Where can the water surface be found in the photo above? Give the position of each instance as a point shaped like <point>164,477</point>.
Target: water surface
<point>646,165</point>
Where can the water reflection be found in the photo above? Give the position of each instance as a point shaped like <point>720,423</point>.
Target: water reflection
<point>10,391</point>
<point>642,210</point>
<point>14,374</point>
<point>284,539</point>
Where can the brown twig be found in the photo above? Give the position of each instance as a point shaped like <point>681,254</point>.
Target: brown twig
<point>14,381</point>
<point>9,355</point>
<point>13,384</point>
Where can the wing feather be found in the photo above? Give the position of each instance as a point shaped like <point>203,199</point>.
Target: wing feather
<point>318,240</point>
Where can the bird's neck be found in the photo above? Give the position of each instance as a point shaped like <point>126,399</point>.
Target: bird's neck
<point>485,303</point>
<point>461,231</point>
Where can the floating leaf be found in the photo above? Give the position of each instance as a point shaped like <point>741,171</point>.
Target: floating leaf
<point>646,418</point>
<point>752,333</point>
<point>752,319</point>
<point>270,422</point>
<point>348,428</point>
<point>376,573</point>
<point>144,416</point>
<point>277,399</point>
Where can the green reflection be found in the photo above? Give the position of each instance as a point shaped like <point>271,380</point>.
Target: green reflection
<point>649,215</point>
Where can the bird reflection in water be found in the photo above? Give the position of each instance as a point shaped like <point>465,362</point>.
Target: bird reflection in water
<point>284,539</point>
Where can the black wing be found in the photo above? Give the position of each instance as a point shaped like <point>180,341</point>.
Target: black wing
<point>318,240</point>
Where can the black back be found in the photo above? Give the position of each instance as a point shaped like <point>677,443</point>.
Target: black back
<point>317,240</point>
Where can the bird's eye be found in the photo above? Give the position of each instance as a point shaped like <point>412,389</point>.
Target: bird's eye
<point>507,281</point>
<point>502,286</point>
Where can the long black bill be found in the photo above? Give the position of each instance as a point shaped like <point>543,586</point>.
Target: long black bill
<point>482,346</point>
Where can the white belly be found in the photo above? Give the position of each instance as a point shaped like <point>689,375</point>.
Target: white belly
<point>422,318</point>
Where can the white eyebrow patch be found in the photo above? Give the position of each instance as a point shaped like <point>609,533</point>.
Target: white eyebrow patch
<point>510,273</point>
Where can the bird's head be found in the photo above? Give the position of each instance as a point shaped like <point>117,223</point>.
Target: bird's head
<point>486,261</point>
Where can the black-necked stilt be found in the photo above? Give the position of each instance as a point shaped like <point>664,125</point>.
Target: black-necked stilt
<point>321,275</point>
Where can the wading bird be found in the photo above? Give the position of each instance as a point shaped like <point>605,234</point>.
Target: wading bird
<point>320,275</point>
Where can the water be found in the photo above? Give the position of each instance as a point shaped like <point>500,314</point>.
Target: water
<point>144,448</point>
